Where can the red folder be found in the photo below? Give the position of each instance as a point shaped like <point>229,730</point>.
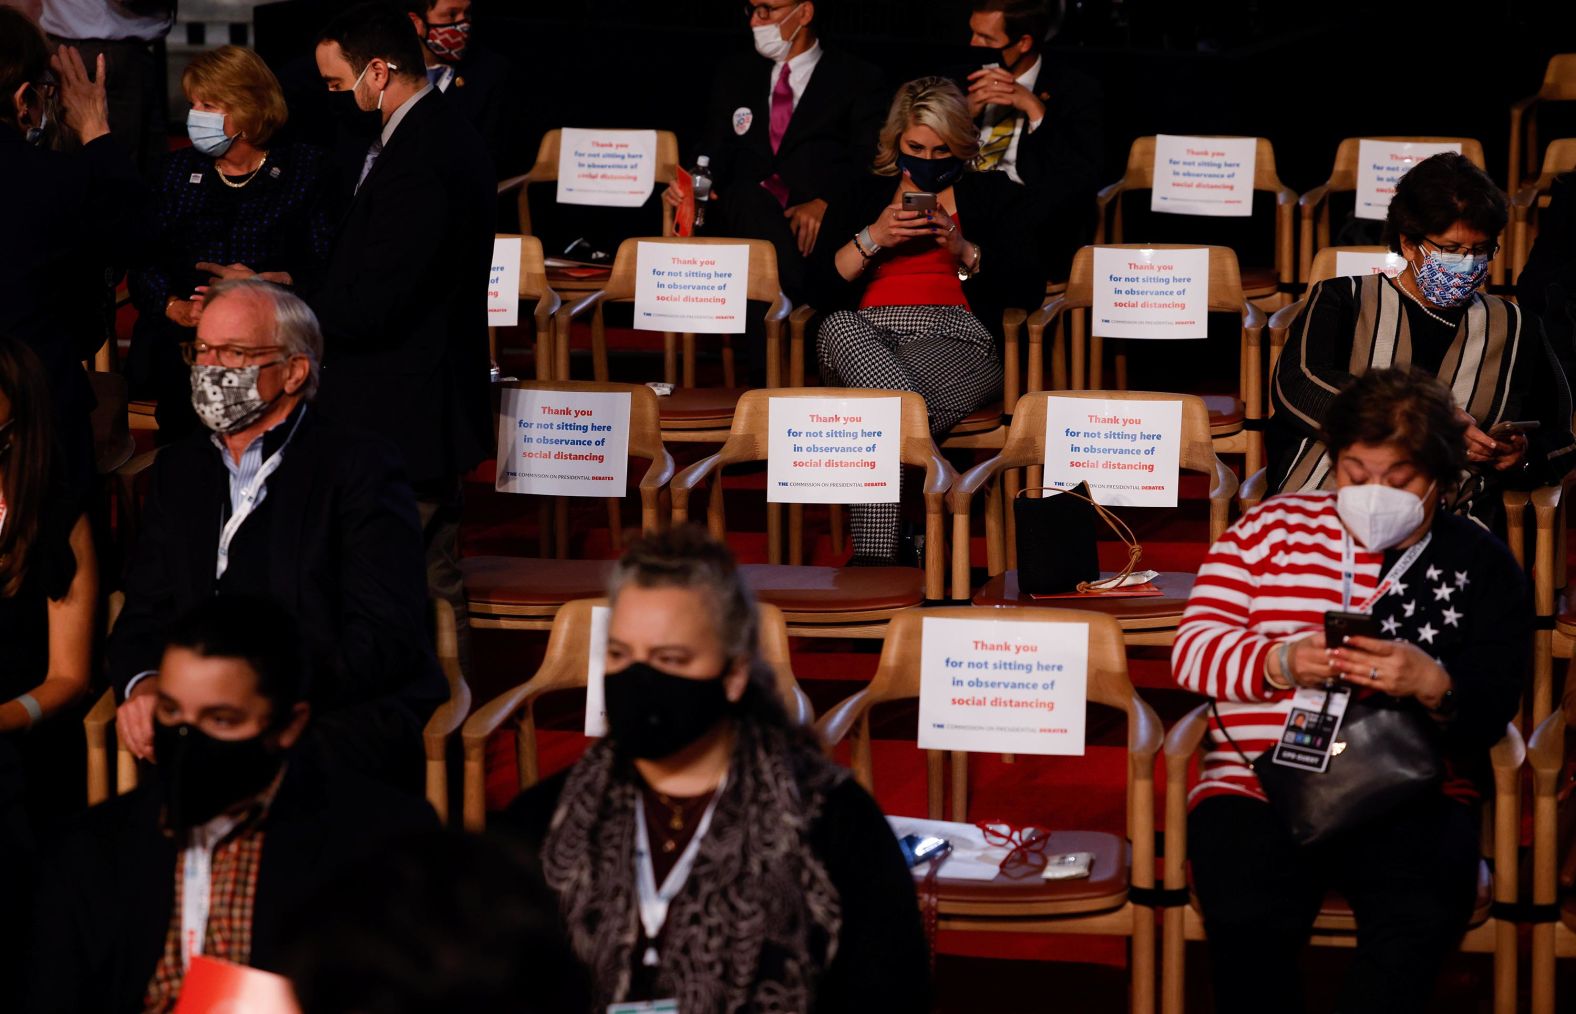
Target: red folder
<point>215,985</point>
<point>684,218</point>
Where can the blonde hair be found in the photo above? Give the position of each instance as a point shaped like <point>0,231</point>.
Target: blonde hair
<point>237,79</point>
<point>934,102</point>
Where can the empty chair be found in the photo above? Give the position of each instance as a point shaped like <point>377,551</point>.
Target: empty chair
<point>534,288</point>
<point>1559,85</point>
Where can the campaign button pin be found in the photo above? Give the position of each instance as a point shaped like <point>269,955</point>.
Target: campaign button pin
<point>742,118</point>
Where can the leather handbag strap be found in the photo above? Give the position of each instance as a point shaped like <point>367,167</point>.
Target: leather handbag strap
<point>1135,552</point>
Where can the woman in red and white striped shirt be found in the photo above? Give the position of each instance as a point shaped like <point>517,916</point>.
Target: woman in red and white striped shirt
<point>1456,618</point>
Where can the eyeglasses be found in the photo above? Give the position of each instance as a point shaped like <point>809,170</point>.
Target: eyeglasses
<point>1455,253</point>
<point>1028,846</point>
<point>230,356</point>
<point>768,12</point>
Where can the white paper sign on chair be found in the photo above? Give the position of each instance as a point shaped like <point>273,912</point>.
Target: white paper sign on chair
<point>503,283</point>
<point>834,450</point>
<point>1381,164</point>
<point>1356,262</point>
<point>563,443</point>
<point>611,168</point>
<point>695,288</point>
<point>1128,451</point>
<point>1003,686</point>
<point>1204,175</point>
<point>1150,293</point>
<point>596,672</point>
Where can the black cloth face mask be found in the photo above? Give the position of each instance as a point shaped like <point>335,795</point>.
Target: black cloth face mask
<point>199,777</point>
<point>931,175</point>
<point>652,714</point>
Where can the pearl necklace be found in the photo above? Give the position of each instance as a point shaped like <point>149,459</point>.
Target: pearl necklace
<point>1422,306</point>
<point>249,176</point>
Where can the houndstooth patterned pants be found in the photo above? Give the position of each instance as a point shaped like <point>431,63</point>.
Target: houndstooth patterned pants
<point>943,353</point>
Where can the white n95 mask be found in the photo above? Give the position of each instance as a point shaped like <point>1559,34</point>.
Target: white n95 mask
<point>1379,516</point>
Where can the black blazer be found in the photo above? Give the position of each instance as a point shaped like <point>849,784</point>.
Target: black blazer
<point>403,302</point>
<point>991,215</point>
<point>105,901</point>
<point>335,539</point>
<point>830,140</point>
<point>484,91</point>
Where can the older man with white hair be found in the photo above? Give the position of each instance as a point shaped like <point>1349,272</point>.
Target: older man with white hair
<point>277,501</point>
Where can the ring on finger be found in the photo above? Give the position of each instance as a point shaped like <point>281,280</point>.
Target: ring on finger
<point>1373,673</point>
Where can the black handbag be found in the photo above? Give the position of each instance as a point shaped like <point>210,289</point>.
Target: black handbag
<point>1056,541</point>
<point>1385,753</point>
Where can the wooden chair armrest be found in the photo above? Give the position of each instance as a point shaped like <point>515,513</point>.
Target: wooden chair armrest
<point>1224,484</point>
<point>798,322</point>
<point>837,723</point>
<point>1525,198</point>
<point>1255,486</point>
<point>1520,107</point>
<point>569,311</point>
<point>547,308</point>
<point>801,316</point>
<point>1546,752</point>
<point>972,481</point>
<point>1546,499</point>
<point>940,476</point>
<point>137,465</point>
<point>445,721</point>
<point>1145,738</point>
<point>780,311</point>
<point>1310,201</point>
<point>1180,744</point>
<point>1252,317</point>
<point>516,182</point>
<point>1045,314</point>
<point>489,718</point>
<point>1508,755</point>
<point>1282,318</point>
<point>1184,738</point>
<point>102,714</point>
<point>1013,318</point>
<point>1285,195</point>
<point>660,472</point>
<point>1109,192</point>
<point>687,480</point>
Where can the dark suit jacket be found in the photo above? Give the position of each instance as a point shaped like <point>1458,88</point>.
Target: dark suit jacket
<point>484,92</point>
<point>105,902</point>
<point>403,302</point>
<point>335,540</point>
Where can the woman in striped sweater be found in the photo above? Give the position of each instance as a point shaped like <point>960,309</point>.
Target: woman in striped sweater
<point>1457,623</point>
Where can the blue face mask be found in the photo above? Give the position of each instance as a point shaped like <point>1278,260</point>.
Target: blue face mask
<point>1449,279</point>
<point>931,175</point>
<point>207,133</point>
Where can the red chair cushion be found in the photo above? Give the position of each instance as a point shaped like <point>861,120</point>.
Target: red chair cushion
<point>835,589</point>
<point>524,581</point>
<point>691,405</point>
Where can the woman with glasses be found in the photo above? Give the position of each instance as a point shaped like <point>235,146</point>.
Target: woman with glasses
<point>706,851</point>
<point>233,203</point>
<point>1507,383</point>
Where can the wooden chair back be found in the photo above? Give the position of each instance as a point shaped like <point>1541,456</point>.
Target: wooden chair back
<point>1559,78</point>
<point>1343,176</point>
<point>1140,171</point>
<point>447,718</point>
<point>534,286</point>
<point>1559,85</point>
<point>1558,158</point>
<point>546,171</point>
<point>763,284</point>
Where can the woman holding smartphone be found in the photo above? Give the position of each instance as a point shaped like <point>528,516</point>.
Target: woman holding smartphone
<point>1453,619</point>
<point>707,851</point>
<point>915,266</point>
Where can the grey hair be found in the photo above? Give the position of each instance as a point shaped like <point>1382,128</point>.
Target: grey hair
<point>687,557</point>
<point>295,325</point>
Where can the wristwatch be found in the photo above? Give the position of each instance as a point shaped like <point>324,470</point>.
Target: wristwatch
<point>964,271</point>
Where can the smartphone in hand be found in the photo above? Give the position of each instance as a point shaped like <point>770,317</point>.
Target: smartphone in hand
<point>1338,626</point>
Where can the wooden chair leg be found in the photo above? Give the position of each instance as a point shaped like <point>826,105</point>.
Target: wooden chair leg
<point>670,358</point>
<point>561,527</point>
<point>689,360</point>
<point>729,376</point>
<point>615,523</point>
<point>834,521</point>
<point>796,534</point>
<point>774,532</point>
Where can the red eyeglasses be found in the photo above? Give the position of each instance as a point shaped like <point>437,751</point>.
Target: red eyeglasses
<point>1028,845</point>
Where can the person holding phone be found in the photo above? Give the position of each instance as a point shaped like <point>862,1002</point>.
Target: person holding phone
<point>706,852</point>
<point>1443,220</point>
<point>915,267</point>
<point>1451,632</point>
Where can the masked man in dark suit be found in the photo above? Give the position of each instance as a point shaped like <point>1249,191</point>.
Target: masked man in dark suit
<point>478,83</point>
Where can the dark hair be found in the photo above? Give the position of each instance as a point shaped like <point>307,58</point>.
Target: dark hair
<point>1023,17</point>
<point>24,56</point>
<point>441,921</point>
<point>257,630</point>
<point>28,463</point>
<point>1437,193</point>
<point>377,30</point>
<point>1406,407</point>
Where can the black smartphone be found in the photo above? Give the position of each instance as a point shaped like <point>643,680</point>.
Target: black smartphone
<point>923,848</point>
<point>1518,426</point>
<point>918,200</point>
<point>1338,626</point>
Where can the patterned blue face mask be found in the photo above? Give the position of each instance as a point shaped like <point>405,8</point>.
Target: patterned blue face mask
<point>207,133</point>
<point>1449,279</point>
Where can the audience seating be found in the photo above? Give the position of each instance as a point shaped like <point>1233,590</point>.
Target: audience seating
<point>534,287</point>
<point>1268,284</point>
<point>1559,85</point>
<point>829,601</point>
<point>524,593</point>
<point>1336,926</point>
<point>690,414</point>
<point>1232,418</point>
<point>1532,198</point>
<point>1100,904</point>
<point>1553,873</point>
<point>1143,620</point>
<point>564,667</point>
<point>1313,207</point>
<point>1555,633</point>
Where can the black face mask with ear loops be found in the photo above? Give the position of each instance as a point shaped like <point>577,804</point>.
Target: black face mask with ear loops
<point>652,714</point>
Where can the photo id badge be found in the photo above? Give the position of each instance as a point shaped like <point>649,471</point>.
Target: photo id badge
<point>1307,738</point>
<point>645,1007</point>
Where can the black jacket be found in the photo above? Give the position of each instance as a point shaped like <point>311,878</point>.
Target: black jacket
<point>484,91</point>
<point>402,300</point>
<point>335,539</point>
<point>991,215</point>
<point>105,901</point>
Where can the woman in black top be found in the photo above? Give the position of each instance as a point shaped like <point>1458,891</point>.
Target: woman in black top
<point>784,888</point>
<point>232,199</point>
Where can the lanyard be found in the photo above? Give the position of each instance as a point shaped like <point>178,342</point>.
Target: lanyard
<point>1349,570</point>
<point>251,495</point>
<point>653,901</point>
<point>197,884</point>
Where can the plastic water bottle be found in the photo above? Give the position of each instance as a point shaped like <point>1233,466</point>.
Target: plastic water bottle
<point>702,179</point>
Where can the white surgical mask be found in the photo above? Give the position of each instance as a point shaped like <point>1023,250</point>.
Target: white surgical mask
<point>1380,516</point>
<point>769,41</point>
<point>206,129</point>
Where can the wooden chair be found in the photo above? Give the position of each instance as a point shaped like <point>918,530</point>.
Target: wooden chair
<point>1101,904</point>
<point>1336,926</point>
<point>524,593</point>
<point>1553,874</point>
<point>546,171</point>
<point>690,414</point>
<point>1313,208</point>
<point>1532,198</point>
<point>1555,633</point>
<point>1269,284</point>
<point>1143,620</point>
<point>1231,417</point>
<point>564,667</point>
<point>99,723</point>
<point>1559,85</point>
<point>533,286</point>
<point>829,601</point>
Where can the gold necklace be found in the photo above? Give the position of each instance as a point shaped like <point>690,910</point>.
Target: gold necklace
<point>1421,306</point>
<point>249,176</point>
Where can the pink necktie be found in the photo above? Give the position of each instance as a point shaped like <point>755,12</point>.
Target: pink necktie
<point>782,112</point>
